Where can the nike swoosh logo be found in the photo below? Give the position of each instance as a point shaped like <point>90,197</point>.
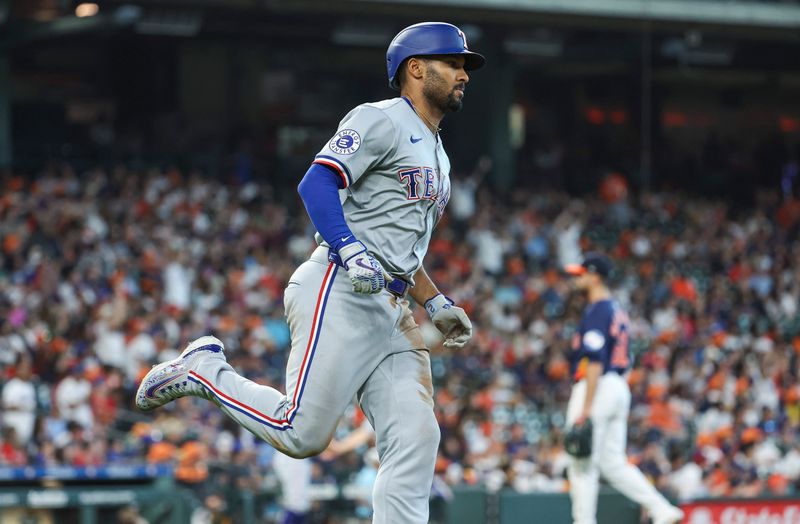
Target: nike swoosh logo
<point>151,389</point>
<point>361,264</point>
<point>415,140</point>
<point>344,239</point>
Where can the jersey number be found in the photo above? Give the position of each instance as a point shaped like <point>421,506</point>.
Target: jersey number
<point>620,358</point>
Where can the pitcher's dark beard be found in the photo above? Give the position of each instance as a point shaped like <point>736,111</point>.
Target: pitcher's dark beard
<point>435,90</point>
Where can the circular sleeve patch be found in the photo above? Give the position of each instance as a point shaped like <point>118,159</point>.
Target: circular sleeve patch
<point>594,340</point>
<point>345,142</point>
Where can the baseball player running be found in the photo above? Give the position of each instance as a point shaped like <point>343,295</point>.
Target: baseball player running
<point>600,361</point>
<point>374,192</point>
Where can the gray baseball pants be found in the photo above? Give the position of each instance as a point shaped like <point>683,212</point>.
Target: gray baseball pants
<point>345,344</point>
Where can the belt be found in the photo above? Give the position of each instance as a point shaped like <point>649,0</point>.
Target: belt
<point>396,286</point>
<point>619,371</point>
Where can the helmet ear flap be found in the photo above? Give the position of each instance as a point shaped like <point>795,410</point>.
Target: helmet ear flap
<point>400,76</point>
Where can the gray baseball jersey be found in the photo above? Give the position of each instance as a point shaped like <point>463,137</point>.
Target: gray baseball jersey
<point>397,181</point>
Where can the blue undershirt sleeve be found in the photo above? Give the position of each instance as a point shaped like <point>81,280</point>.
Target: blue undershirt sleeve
<point>319,191</point>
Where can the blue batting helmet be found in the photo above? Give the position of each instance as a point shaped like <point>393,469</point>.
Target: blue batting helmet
<point>429,38</point>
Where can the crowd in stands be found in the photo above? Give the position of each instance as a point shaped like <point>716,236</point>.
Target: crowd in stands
<point>106,272</point>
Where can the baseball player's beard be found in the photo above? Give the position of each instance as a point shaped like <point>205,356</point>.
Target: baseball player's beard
<point>454,104</point>
<point>435,90</point>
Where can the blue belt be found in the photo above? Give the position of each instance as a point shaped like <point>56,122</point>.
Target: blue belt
<point>396,286</point>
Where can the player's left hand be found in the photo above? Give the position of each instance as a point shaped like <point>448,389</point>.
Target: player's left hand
<point>450,320</point>
<point>578,439</point>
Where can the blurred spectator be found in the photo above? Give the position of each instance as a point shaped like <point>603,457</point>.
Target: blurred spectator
<point>72,397</point>
<point>12,452</point>
<point>214,511</point>
<point>294,476</point>
<point>19,400</point>
<point>192,465</point>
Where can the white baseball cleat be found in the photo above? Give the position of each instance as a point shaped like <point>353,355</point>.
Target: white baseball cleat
<point>671,515</point>
<point>169,380</point>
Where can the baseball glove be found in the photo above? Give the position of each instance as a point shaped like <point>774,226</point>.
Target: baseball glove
<point>578,440</point>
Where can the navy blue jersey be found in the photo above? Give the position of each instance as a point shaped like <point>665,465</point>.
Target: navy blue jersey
<point>602,337</point>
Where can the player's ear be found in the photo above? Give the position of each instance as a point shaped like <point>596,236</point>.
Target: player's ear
<point>415,68</point>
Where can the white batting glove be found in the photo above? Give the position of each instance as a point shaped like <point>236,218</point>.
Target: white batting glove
<point>364,271</point>
<point>450,320</point>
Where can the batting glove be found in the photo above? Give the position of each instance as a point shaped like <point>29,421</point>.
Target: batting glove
<point>364,271</point>
<point>450,320</point>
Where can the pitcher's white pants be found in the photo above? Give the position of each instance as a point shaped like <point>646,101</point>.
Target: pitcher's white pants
<point>609,416</point>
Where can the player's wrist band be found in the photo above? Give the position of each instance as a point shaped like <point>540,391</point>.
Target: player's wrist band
<point>349,251</point>
<point>433,305</point>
